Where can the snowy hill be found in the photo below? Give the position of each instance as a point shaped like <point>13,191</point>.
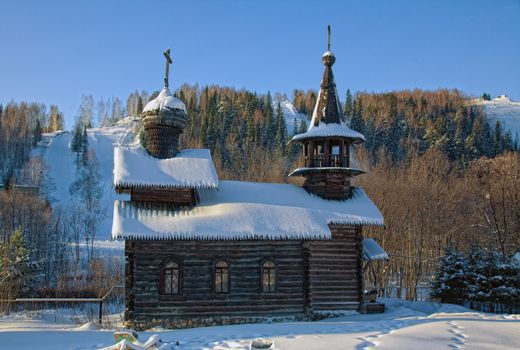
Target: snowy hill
<point>290,114</point>
<point>504,110</point>
<point>59,159</point>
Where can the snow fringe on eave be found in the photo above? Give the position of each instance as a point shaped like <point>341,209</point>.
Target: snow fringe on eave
<point>219,237</point>
<point>175,186</point>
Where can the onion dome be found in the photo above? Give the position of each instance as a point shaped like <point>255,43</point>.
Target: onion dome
<point>164,119</point>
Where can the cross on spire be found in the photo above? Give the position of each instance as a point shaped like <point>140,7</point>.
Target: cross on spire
<point>328,44</point>
<point>168,62</point>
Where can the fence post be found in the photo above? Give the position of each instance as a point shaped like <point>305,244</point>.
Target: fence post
<point>100,311</point>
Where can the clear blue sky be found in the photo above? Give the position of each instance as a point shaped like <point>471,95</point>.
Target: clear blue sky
<point>53,51</point>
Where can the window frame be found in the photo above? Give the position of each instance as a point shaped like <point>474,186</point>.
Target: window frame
<point>271,282</point>
<point>227,268</point>
<point>162,277</point>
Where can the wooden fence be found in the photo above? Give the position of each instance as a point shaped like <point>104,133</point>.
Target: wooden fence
<point>66,301</point>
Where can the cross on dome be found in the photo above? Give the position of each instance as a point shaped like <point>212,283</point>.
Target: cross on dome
<point>168,62</point>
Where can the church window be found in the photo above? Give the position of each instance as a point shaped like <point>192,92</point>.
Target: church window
<point>170,278</point>
<point>221,277</point>
<point>268,276</point>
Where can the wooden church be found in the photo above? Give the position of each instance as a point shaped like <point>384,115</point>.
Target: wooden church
<point>201,251</point>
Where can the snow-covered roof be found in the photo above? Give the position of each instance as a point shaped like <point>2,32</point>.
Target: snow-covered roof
<point>323,129</point>
<point>193,168</point>
<point>373,251</point>
<point>165,100</point>
<point>330,130</point>
<point>246,210</point>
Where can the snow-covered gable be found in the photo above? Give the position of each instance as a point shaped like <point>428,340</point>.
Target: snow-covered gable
<point>246,210</point>
<point>165,99</point>
<point>373,251</point>
<point>193,168</point>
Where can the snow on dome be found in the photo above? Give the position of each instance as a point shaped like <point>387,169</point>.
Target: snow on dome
<point>327,54</point>
<point>373,251</point>
<point>330,130</point>
<point>164,100</point>
<point>246,210</point>
<point>193,168</point>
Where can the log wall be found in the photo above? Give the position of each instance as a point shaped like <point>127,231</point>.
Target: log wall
<point>328,186</point>
<point>334,270</point>
<point>311,276</point>
<point>174,196</point>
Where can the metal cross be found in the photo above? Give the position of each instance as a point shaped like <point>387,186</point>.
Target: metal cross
<point>168,62</point>
<point>328,45</point>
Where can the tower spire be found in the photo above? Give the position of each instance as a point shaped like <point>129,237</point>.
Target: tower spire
<point>328,44</point>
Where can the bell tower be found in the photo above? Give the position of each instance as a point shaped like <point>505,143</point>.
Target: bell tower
<point>327,142</point>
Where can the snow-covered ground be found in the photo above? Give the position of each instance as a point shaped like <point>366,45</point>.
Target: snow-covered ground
<point>405,325</point>
<point>504,110</point>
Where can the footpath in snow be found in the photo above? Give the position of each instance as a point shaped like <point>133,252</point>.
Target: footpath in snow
<point>405,325</point>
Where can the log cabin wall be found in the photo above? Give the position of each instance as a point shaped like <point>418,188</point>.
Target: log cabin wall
<point>174,196</point>
<point>311,276</point>
<point>197,303</point>
<point>335,278</point>
<point>328,186</point>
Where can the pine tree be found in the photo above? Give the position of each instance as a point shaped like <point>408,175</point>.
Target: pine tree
<point>268,137</point>
<point>449,284</point>
<point>281,132</point>
<point>356,121</point>
<point>497,139</point>
<point>507,142</point>
<point>295,126</point>
<point>37,132</point>
<point>303,127</point>
<point>77,137</point>
<point>476,281</point>
<point>349,106</point>
<point>16,269</point>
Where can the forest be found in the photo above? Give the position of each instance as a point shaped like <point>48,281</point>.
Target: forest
<point>440,173</point>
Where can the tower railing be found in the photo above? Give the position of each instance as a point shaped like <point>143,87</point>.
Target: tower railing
<point>322,160</point>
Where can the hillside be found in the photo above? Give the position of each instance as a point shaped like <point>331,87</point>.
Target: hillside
<point>504,110</point>
<point>292,115</point>
<point>59,159</point>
